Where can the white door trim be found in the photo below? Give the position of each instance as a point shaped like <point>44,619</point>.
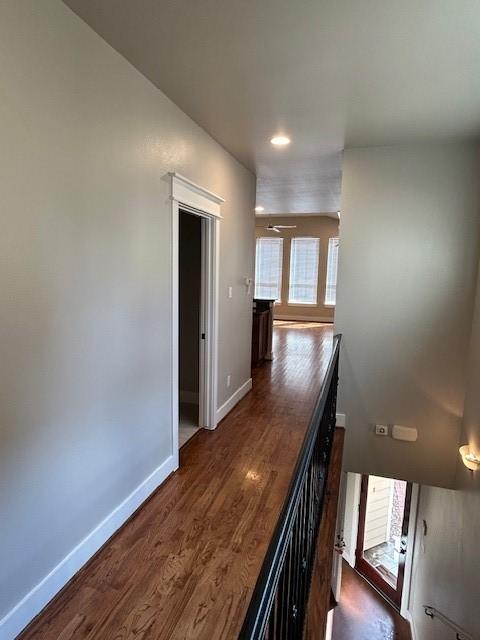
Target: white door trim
<point>193,195</point>
<point>411,550</point>
<point>189,196</point>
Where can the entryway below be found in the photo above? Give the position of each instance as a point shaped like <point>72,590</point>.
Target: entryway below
<point>382,541</point>
<point>362,613</point>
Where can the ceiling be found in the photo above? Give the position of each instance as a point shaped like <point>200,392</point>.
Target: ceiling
<point>330,74</point>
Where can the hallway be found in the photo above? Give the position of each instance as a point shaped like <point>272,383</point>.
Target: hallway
<point>362,614</point>
<point>185,565</point>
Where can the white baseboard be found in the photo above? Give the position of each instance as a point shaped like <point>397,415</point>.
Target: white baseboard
<point>233,400</point>
<point>189,397</point>
<point>31,605</point>
<point>296,318</point>
<point>341,420</point>
<point>409,619</point>
<point>329,629</point>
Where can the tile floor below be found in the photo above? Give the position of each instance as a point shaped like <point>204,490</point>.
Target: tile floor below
<point>385,558</point>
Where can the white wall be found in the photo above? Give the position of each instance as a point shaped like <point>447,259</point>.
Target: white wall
<point>86,145</point>
<point>409,249</point>
<point>446,565</point>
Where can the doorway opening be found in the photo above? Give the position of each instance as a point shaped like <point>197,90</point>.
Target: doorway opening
<point>190,315</point>
<point>383,524</point>
<point>190,199</point>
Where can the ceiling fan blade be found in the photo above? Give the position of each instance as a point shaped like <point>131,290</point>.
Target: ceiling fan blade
<point>272,227</point>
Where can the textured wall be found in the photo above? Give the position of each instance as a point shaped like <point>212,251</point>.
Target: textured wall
<point>407,273</point>
<point>85,318</point>
<point>447,561</point>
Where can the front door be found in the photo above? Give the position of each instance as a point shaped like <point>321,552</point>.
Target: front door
<point>382,534</point>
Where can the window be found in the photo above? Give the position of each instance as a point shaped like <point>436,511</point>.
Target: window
<point>268,268</point>
<point>304,270</point>
<point>332,264</point>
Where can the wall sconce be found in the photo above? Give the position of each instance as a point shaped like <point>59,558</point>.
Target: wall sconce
<point>470,460</point>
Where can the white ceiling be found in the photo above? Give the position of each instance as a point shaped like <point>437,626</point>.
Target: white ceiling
<point>329,73</point>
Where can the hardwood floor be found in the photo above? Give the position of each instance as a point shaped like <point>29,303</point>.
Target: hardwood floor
<point>186,563</point>
<point>362,613</point>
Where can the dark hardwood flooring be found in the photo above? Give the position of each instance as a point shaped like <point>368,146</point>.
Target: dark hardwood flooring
<point>362,613</point>
<point>185,564</point>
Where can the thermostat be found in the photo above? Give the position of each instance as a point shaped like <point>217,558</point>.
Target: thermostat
<point>408,434</point>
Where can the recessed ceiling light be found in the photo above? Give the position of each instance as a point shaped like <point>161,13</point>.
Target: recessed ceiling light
<point>280,141</point>
<point>259,209</point>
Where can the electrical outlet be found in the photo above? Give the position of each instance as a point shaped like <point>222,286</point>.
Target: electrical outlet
<point>229,380</point>
<point>381,430</point>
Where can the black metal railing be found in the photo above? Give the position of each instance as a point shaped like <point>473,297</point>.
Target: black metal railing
<point>278,606</point>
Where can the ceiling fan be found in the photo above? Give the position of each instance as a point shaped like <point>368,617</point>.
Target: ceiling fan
<point>279,227</point>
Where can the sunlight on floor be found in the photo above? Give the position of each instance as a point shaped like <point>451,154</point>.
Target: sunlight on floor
<point>294,324</point>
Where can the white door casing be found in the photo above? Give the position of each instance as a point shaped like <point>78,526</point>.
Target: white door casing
<point>190,197</point>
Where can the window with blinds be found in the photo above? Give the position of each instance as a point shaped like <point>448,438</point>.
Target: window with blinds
<point>304,255</point>
<point>268,268</point>
<point>332,265</point>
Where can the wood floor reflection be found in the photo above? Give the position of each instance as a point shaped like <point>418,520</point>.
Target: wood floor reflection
<point>362,614</point>
<point>185,564</point>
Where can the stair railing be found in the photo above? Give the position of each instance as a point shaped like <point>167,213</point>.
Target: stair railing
<point>279,602</point>
<point>433,613</point>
